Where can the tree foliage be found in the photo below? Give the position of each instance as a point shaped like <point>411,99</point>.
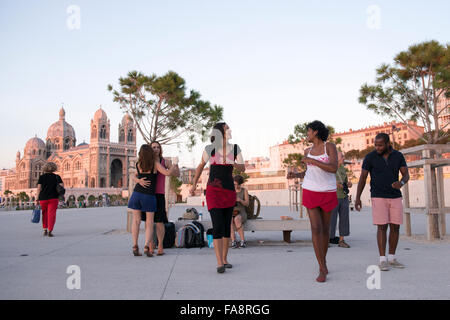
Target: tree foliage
<point>294,160</point>
<point>162,108</point>
<point>175,184</point>
<point>411,88</point>
<point>300,135</point>
<point>242,174</point>
<point>23,197</point>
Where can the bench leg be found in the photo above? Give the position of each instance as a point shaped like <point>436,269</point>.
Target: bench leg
<point>287,236</point>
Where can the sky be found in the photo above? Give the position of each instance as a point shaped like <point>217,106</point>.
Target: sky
<point>269,64</point>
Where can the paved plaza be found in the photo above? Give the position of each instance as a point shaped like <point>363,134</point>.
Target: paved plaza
<point>95,240</point>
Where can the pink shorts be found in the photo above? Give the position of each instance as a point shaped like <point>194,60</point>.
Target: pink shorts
<point>327,201</point>
<point>386,211</point>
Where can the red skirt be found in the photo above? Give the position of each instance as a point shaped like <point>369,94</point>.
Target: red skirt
<point>325,200</point>
<point>219,198</point>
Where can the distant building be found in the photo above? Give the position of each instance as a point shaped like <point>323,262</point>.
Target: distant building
<point>363,138</point>
<point>187,175</point>
<point>99,164</point>
<point>443,107</point>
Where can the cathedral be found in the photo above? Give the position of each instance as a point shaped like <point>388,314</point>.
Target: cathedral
<point>99,164</point>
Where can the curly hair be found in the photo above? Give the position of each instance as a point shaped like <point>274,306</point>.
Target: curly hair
<point>239,179</point>
<point>49,167</point>
<point>322,130</point>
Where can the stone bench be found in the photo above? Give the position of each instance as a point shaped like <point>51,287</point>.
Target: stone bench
<point>287,226</point>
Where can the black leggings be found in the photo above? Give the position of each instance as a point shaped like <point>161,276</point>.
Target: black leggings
<point>221,221</point>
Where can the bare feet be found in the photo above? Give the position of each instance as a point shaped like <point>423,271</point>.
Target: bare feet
<point>325,270</point>
<point>322,276</point>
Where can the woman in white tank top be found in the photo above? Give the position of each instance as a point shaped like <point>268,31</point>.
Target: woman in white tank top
<point>319,189</point>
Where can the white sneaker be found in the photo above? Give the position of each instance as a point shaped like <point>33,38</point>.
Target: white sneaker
<point>384,266</point>
<point>395,264</point>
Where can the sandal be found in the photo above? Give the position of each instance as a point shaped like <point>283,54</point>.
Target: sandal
<point>148,252</point>
<point>221,269</point>
<point>136,251</point>
<point>160,253</point>
<point>343,244</point>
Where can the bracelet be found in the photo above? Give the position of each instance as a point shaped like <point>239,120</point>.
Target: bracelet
<point>402,182</point>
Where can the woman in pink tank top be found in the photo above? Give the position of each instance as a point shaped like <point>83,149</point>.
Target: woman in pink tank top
<point>160,216</point>
<point>319,189</point>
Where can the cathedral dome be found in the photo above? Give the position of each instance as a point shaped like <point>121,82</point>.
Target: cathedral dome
<point>61,128</point>
<point>35,143</point>
<point>100,115</point>
<point>82,144</point>
<point>127,119</point>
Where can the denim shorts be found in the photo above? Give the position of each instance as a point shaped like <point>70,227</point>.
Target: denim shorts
<point>142,202</point>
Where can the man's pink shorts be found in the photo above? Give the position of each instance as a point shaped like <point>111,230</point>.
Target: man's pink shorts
<point>385,210</point>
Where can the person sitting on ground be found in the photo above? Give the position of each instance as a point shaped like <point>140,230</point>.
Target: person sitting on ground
<point>239,213</point>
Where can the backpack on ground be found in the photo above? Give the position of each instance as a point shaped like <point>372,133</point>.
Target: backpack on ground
<point>250,210</point>
<point>201,236</point>
<point>191,236</point>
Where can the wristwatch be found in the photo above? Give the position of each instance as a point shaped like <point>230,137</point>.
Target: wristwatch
<point>402,182</point>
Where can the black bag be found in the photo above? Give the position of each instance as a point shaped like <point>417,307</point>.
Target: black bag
<point>60,190</point>
<point>345,188</point>
<point>202,231</point>
<point>194,235</point>
<point>169,235</point>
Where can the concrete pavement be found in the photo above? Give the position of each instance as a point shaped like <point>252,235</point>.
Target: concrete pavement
<point>94,239</point>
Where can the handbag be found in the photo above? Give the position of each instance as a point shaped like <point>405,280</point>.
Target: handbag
<point>36,215</point>
<point>60,189</point>
<point>190,214</point>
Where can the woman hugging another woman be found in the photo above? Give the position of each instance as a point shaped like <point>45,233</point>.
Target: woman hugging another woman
<point>143,197</point>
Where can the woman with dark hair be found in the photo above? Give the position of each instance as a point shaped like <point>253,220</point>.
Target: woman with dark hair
<point>239,213</point>
<point>161,214</point>
<point>319,189</point>
<point>220,191</point>
<point>143,197</point>
<point>47,196</point>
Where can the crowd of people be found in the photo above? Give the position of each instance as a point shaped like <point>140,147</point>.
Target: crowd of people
<point>325,195</point>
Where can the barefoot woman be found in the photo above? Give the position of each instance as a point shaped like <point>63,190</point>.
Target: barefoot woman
<point>319,189</point>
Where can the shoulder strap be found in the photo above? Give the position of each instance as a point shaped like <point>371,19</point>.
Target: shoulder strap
<point>194,227</point>
<point>235,151</point>
<point>325,147</point>
<point>137,168</point>
<point>340,177</point>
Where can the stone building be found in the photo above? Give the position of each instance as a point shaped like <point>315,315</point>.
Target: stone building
<point>99,164</point>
